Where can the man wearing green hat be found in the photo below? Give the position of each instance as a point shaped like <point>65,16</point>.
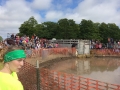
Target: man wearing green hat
<point>13,61</point>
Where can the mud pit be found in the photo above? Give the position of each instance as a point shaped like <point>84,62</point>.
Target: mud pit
<point>48,60</point>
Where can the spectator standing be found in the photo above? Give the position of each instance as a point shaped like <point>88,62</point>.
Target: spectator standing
<point>13,61</point>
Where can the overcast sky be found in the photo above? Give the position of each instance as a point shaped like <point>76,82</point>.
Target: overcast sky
<point>14,12</point>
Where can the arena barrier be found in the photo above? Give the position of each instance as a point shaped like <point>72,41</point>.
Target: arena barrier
<point>105,52</point>
<point>28,76</point>
<point>44,52</point>
<point>53,80</point>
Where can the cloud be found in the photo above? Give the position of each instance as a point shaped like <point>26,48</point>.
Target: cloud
<point>107,11</point>
<point>41,4</point>
<point>14,12</point>
<point>99,11</point>
<point>53,15</point>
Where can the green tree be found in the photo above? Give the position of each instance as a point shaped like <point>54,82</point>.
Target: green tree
<point>67,29</point>
<point>114,31</point>
<point>40,31</point>
<point>1,39</point>
<point>89,30</point>
<point>47,30</point>
<point>96,33</point>
<point>104,32</point>
<point>28,27</point>
<point>73,29</point>
<point>109,30</point>
<point>50,29</point>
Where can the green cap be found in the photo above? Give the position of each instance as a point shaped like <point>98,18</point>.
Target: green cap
<point>13,55</point>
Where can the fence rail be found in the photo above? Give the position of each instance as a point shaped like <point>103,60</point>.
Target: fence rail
<point>103,52</point>
<point>53,80</point>
<point>44,52</point>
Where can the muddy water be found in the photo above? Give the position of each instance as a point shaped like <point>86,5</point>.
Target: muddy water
<point>102,69</point>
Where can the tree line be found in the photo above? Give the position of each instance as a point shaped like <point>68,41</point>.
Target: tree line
<point>68,29</point>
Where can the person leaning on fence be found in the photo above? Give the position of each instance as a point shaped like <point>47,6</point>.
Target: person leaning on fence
<point>73,48</point>
<point>13,61</point>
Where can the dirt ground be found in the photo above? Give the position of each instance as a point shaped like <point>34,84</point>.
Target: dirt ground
<point>48,59</point>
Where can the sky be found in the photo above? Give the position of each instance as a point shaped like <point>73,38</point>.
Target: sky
<point>13,13</point>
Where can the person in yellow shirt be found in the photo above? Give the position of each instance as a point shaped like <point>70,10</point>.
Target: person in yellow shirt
<point>13,61</point>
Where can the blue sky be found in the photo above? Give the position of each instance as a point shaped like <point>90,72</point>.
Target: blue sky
<point>14,12</point>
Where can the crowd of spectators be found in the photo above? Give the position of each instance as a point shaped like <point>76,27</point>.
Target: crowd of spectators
<point>111,44</point>
<point>29,44</point>
<point>34,42</point>
<point>37,43</point>
<point>97,44</point>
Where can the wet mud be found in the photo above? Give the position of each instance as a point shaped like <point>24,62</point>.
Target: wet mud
<point>56,60</point>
